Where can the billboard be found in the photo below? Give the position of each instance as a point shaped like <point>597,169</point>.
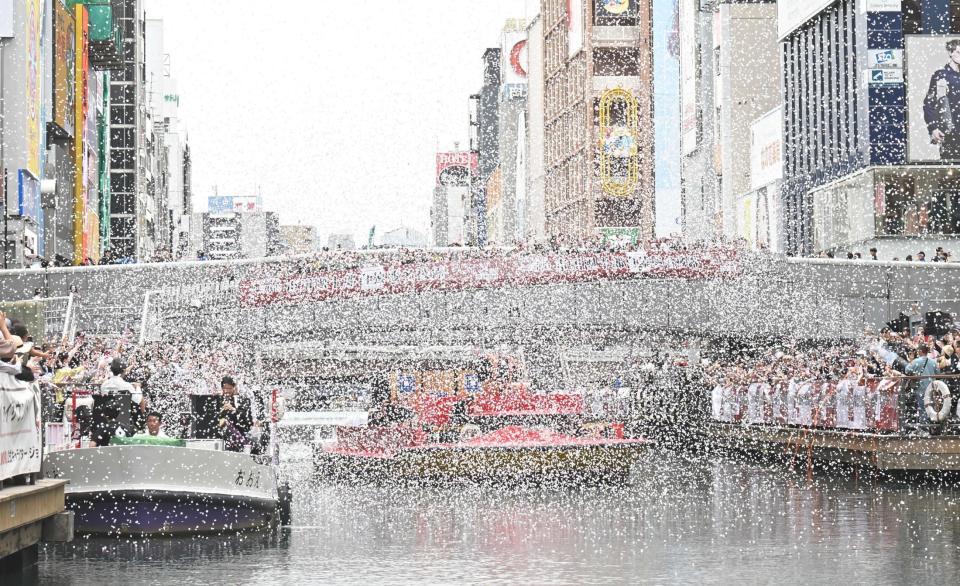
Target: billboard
<point>792,14</point>
<point>64,63</point>
<point>34,82</point>
<point>513,52</point>
<point>575,27</point>
<point>234,204</point>
<point>933,98</point>
<point>81,73</point>
<point>455,169</point>
<point>28,194</point>
<point>689,84</point>
<point>766,149</point>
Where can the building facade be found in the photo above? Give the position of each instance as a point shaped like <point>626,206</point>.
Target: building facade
<point>728,59</point>
<point>870,147</point>
<point>169,141</point>
<point>505,199</point>
<point>299,239</point>
<point>533,225</point>
<point>133,211</point>
<point>484,143</point>
<point>450,212</point>
<point>598,117</point>
<point>234,228</point>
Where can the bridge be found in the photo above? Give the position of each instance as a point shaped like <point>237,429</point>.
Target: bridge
<point>589,299</point>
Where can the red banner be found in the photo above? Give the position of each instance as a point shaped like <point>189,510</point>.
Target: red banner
<point>483,273</point>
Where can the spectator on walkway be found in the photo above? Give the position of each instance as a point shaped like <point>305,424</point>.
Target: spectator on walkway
<point>921,365</point>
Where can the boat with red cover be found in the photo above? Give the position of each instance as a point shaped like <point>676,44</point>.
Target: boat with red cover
<point>510,434</point>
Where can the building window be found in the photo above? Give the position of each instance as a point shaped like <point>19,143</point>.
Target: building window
<point>616,62</point>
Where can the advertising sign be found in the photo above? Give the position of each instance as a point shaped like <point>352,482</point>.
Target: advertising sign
<point>28,194</point>
<point>226,204</point>
<point>64,64</point>
<point>454,169</point>
<point>689,110</point>
<point>766,150</point>
<point>246,204</point>
<point>884,76</point>
<point>6,19</point>
<point>933,97</point>
<point>20,451</point>
<point>880,5</point>
<point>515,61</point>
<point>575,27</point>
<point>885,58</point>
<point>620,237</point>
<point>34,82</point>
<point>792,14</point>
<point>81,73</point>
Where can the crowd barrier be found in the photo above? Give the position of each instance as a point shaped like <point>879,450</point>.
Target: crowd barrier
<point>865,405</point>
<point>20,433</point>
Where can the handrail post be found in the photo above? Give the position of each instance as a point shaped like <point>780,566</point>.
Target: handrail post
<point>67,319</point>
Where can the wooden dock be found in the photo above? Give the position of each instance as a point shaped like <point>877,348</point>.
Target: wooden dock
<point>885,452</point>
<point>30,514</point>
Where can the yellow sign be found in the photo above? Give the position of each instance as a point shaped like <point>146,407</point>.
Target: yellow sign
<point>619,142</point>
<point>79,123</point>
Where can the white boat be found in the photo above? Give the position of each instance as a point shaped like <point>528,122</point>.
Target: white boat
<point>156,489</point>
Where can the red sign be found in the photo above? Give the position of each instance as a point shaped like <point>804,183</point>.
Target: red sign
<point>453,167</point>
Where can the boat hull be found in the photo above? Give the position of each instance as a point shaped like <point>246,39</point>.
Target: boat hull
<point>150,490</point>
<point>580,464</point>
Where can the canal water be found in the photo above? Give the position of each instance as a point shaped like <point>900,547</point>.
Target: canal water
<point>682,520</point>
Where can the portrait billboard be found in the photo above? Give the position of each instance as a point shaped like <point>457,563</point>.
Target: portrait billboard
<point>933,98</point>
<point>64,63</point>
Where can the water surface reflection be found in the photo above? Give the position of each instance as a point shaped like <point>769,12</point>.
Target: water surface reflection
<point>683,519</point>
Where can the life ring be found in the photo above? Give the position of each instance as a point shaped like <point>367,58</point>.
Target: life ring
<point>928,401</point>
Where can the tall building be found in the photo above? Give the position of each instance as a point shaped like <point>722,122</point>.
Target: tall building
<point>170,186</point>
<point>700,201</point>
<point>55,60</point>
<point>485,142</point>
<point>598,114</point>
<point>235,227</point>
<point>22,136</point>
<point>870,139</point>
<point>449,214</point>
<point>735,41</point>
<point>506,185</point>
<point>532,203</point>
<point>133,209</point>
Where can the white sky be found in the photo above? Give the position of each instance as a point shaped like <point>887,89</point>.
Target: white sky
<point>334,109</point>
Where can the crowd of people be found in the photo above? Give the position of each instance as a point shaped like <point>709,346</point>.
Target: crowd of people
<point>912,361</point>
<point>158,379</point>
<point>939,255</point>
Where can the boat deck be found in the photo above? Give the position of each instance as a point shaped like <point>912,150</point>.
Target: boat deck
<point>887,452</point>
